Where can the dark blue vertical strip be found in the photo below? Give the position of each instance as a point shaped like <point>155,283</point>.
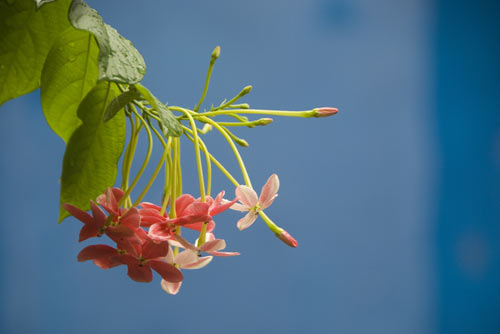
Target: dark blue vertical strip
<point>468,111</point>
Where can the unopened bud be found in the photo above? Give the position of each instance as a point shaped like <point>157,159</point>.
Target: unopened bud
<point>240,106</point>
<point>287,238</point>
<point>325,112</point>
<point>241,142</point>
<point>216,53</point>
<point>246,90</point>
<point>264,121</point>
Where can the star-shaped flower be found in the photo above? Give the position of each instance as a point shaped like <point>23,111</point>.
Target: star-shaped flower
<point>253,204</point>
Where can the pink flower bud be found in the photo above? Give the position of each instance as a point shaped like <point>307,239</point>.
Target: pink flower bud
<point>287,238</point>
<point>326,111</point>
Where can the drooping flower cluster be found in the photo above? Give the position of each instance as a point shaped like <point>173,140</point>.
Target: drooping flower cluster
<point>147,239</point>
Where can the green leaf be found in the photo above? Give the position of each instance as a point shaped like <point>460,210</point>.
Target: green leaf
<point>119,60</point>
<point>69,73</point>
<point>171,126</point>
<point>120,102</point>
<point>40,3</point>
<point>26,36</point>
<point>91,157</point>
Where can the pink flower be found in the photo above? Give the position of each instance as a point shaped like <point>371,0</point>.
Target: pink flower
<point>287,238</point>
<point>97,224</point>
<point>191,257</point>
<point>249,201</point>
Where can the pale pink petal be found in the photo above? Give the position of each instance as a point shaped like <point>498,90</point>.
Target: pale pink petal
<point>239,207</point>
<point>209,236</point>
<point>247,196</point>
<point>186,244</point>
<point>269,191</point>
<point>213,245</point>
<point>96,252</point>
<point>186,257</point>
<point>224,254</point>
<point>200,263</point>
<point>170,288</point>
<point>170,256</point>
<point>247,221</point>
<point>167,271</point>
<point>175,243</point>
<point>78,214</point>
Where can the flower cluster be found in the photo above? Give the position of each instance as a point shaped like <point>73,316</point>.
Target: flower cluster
<point>147,239</point>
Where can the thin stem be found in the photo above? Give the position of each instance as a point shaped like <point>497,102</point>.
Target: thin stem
<point>207,156</point>
<point>146,160</point>
<point>233,147</point>
<point>166,150</point>
<point>215,161</point>
<point>197,152</point>
<point>215,55</point>
<point>243,92</point>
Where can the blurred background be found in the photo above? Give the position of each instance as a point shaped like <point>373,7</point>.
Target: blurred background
<point>395,201</point>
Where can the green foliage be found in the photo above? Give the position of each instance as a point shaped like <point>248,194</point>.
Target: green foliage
<point>119,60</point>
<point>26,36</point>
<point>70,72</point>
<point>92,155</point>
<point>120,102</point>
<point>170,125</point>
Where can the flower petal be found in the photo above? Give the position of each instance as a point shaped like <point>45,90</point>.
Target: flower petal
<point>220,208</point>
<point>167,271</point>
<point>247,196</point>
<point>198,226</point>
<point>199,263</point>
<point>182,202</point>
<point>213,245</point>
<point>140,273</point>
<point>99,215</point>
<point>186,244</point>
<point>148,205</point>
<point>152,249</point>
<point>161,232</point>
<point>224,254</point>
<point>186,257</point>
<point>247,221</point>
<point>131,218</point>
<point>78,214</point>
<point>269,191</point>
<point>150,217</point>
<point>96,252</point>
<point>239,207</point>
<point>169,287</point>
<point>88,231</point>
<point>107,263</point>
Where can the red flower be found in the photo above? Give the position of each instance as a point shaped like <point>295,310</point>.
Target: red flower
<point>140,260</point>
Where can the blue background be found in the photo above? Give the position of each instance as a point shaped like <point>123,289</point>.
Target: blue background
<point>394,201</point>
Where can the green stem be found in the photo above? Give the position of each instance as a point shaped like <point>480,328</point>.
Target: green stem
<point>146,160</point>
<point>166,150</point>
<point>304,114</point>
<point>207,156</point>
<point>215,55</point>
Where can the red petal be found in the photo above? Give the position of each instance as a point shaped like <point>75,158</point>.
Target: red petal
<point>196,209</point>
<point>99,215</point>
<point>167,271</point>
<point>182,202</point>
<point>96,252</point>
<point>152,249</point>
<point>220,208</point>
<point>119,231</point>
<point>147,205</point>
<point>107,263</point>
<point>160,231</point>
<point>88,231</point>
<point>197,226</point>
<point>224,254</point>
<point>131,218</point>
<point>191,219</point>
<point>140,273</point>
<point>78,214</point>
